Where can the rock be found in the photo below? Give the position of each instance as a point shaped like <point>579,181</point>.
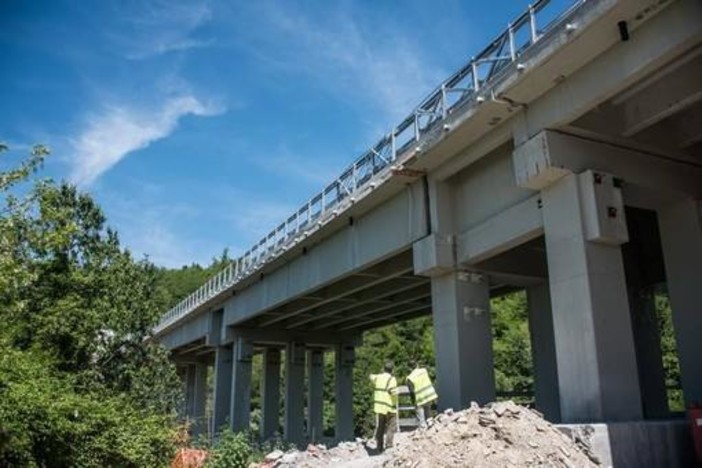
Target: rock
<point>290,457</point>
<point>274,455</point>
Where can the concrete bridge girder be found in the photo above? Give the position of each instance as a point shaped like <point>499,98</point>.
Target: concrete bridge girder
<point>504,205</point>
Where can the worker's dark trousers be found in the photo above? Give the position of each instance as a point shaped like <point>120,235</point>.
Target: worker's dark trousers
<point>384,430</point>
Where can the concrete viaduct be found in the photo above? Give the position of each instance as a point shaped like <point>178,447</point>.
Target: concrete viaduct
<point>565,159</point>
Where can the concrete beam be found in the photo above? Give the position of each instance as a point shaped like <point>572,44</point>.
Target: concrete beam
<point>393,268</point>
<point>512,227</point>
<point>405,299</point>
<point>670,32</point>
<point>371,297</point>
<point>400,312</point>
<point>671,94</point>
<point>383,232</point>
<point>552,155</point>
<point>263,336</point>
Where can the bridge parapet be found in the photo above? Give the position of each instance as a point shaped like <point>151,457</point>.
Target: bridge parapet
<point>469,86</point>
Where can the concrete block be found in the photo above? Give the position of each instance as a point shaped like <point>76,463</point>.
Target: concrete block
<point>603,208</point>
<point>534,167</point>
<point>634,444</point>
<point>433,255</point>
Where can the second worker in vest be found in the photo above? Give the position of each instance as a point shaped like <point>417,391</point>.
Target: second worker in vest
<point>384,406</point>
<point>423,391</point>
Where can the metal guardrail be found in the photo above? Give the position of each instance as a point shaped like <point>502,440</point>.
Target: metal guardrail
<point>462,86</point>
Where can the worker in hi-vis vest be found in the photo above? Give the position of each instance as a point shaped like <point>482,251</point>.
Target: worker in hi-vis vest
<point>422,391</point>
<point>384,406</point>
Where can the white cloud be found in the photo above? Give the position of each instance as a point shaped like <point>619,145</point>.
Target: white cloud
<point>119,130</point>
<point>156,27</point>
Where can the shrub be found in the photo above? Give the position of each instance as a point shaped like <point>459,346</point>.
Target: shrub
<point>231,450</point>
<point>45,422</point>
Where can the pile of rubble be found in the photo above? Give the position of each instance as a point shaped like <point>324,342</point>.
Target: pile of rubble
<point>346,454</point>
<point>499,434</point>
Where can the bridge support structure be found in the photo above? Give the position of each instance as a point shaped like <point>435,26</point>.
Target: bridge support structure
<point>270,393</point>
<point>543,351</point>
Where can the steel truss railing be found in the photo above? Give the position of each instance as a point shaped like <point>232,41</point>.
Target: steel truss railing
<point>463,86</point>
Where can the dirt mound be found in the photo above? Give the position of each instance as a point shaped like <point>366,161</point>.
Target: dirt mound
<point>499,434</point>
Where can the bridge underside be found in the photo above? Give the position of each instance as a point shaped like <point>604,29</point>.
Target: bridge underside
<point>581,188</point>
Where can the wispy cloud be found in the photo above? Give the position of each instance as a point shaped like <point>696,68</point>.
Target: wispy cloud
<point>119,130</point>
<point>385,67</point>
<point>298,168</point>
<point>156,27</point>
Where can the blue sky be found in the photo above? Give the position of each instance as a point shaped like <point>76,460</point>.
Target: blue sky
<point>202,124</point>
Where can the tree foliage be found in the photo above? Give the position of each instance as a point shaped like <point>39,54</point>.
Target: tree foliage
<point>80,384</point>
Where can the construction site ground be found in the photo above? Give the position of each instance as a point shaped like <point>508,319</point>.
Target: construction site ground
<point>500,434</point>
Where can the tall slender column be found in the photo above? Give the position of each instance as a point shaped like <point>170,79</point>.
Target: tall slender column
<point>294,416</point>
<point>462,339</point>
<point>344,359</point>
<point>222,387</point>
<point>190,391</point>
<point>270,390</point>
<point>597,373</point>
<point>240,413</point>
<point>543,350</point>
<point>681,236</point>
<point>315,394</point>
<point>199,399</point>
<point>643,259</point>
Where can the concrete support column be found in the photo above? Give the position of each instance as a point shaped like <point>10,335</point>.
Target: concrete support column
<point>649,356</point>
<point>222,387</point>
<point>597,372</point>
<point>543,350</point>
<point>240,408</point>
<point>199,401</point>
<point>462,339</point>
<point>270,393</point>
<point>344,359</point>
<point>643,265</point>
<point>315,394</point>
<point>189,391</point>
<point>681,237</point>
<point>294,417</point>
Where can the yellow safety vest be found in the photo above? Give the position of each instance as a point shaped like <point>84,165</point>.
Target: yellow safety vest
<point>384,399</point>
<point>424,392</point>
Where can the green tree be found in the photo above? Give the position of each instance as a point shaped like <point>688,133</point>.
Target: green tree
<point>80,383</point>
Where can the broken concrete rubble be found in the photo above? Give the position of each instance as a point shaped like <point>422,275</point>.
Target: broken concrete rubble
<point>499,434</point>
